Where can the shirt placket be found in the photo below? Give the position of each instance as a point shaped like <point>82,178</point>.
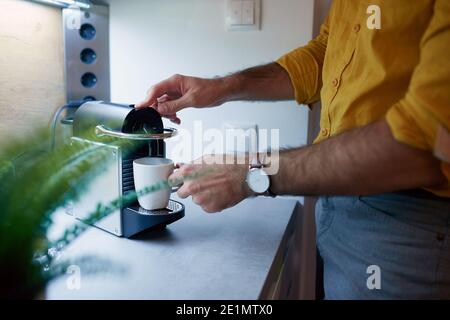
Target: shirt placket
<point>336,82</point>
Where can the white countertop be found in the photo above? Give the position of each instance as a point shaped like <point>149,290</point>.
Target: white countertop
<point>220,256</point>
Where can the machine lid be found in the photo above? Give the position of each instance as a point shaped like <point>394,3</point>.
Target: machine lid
<point>143,121</point>
<point>142,124</point>
<point>120,121</point>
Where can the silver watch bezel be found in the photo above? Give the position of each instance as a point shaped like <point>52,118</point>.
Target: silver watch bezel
<point>259,168</point>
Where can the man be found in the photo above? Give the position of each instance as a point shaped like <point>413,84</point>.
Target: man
<point>384,213</point>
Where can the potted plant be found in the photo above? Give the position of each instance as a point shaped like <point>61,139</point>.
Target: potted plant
<point>34,182</point>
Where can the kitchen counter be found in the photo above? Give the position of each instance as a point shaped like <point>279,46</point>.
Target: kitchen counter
<point>236,254</point>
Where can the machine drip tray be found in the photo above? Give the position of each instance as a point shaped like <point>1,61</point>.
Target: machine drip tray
<point>136,219</point>
<point>172,208</point>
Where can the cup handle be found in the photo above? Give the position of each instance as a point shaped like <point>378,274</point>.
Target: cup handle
<point>176,188</point>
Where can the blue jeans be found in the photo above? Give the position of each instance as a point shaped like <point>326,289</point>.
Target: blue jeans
<point>389,246</point>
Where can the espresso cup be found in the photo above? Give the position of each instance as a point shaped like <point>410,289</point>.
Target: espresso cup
<point>148,172</point>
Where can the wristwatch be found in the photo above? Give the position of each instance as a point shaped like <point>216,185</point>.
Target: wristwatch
<point>258,180</point>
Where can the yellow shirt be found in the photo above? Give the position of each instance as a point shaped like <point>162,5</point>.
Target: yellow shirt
<point>399,72</point>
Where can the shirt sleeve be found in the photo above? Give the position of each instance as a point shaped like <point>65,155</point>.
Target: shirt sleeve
<point>304,66</point>
<point>426,106</point>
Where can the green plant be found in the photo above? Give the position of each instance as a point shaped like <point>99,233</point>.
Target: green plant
<point>34,182</point>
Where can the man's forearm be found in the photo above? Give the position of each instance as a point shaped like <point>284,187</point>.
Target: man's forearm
<point>263,83</point>
<point>269,82</point>
<point>366,160</point>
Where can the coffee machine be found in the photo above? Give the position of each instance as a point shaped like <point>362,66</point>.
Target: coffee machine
<point>98,123</point>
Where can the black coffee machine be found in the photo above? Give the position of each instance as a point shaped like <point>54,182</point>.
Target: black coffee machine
<point>100,124</point>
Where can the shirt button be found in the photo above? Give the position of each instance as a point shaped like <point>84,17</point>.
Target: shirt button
<point>324,132</point>
<point>335,82</point>
<point>356,28</point>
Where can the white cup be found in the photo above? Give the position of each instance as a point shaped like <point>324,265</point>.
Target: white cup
<point>148,172</point>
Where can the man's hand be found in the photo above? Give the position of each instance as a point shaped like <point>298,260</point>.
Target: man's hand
<point>179,92</point>
<point>263,83</point>
<point>216,186</point>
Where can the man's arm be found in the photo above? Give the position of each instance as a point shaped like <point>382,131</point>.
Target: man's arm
<point>267,82</point>
<point>295,75</point>
<point>270,82</point>
<point>390,155</point>
<point>366,160</point>
<point>363,161</point>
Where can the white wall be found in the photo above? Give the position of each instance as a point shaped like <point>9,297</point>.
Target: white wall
<point>153,39</point>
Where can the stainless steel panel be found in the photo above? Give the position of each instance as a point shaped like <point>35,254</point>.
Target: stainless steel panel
<point>74,44</point>
<point>91,114</point>
<point>104,189</point>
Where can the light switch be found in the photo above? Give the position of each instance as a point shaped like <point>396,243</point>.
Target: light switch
<point>242,15</point>
<point>248,12</point>
<point>235,13</point>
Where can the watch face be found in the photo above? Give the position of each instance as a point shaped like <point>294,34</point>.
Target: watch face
<point>258,180</point>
